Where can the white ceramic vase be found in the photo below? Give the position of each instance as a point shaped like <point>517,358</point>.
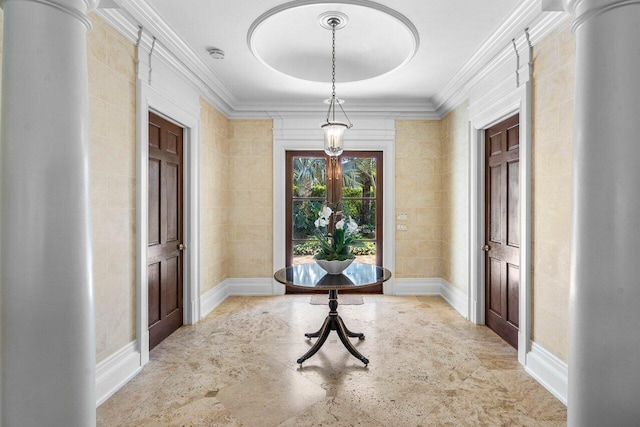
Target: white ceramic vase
<point>334,267</point>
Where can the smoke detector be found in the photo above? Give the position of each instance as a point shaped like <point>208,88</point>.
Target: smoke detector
<point>216,53</point>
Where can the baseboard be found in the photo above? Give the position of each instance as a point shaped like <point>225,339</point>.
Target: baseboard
<point>247,287</point>
<point>213,298</point>
<point>251,286</point>
<point>116,370</point>
<point>408,287</point>
<point>548,370</point>
<point>455,297</point>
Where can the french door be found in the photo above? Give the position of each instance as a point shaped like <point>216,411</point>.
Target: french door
<point>314,179</point>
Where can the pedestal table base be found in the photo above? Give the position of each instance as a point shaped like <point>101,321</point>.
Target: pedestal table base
<point>333,322</point>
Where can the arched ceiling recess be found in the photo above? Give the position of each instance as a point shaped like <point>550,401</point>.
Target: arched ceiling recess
<point>371,40</point>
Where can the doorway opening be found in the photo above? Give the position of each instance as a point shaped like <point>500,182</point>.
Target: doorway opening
<point>314,179</point>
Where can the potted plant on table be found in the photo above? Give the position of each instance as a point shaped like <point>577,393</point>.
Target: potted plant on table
<point>336,236</point>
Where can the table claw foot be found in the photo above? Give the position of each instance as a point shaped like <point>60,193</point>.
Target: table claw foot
<point>354,334</point>
<point>343,335</point>
<point>313,334</point>
<point>323,333</point>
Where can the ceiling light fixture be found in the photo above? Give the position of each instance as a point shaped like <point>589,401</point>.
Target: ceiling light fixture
<point>334,130</point>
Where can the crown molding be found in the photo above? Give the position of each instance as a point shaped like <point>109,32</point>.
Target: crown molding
<point>170,48</point>
<point>418,109</point>
<point>497,50</point>
<point>177,54</point>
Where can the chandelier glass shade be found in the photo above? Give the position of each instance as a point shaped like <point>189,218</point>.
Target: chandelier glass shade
<point>334,130</point>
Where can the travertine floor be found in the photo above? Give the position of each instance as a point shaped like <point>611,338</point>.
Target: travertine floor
<point>428,367</point>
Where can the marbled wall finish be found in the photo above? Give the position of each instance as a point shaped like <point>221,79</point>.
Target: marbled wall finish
<point>455,197</point>
<point>418,195</point>
<point>553,77</point>
<point>112,100</point>
<point>215,198</point>
<point>251,188</point>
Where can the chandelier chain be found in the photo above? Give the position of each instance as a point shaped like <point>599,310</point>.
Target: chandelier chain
<point>333,58</point>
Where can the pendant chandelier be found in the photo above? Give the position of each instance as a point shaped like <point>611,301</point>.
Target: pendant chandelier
<point>334,130</point>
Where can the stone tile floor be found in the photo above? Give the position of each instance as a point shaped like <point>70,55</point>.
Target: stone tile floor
<point>428,367</point>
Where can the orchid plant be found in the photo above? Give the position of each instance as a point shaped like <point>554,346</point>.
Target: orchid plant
<point>335,245</point>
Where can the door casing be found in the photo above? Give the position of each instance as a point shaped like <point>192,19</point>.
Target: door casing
<point>149,99</point>
<point>301,134</point>
<point>516,102</point>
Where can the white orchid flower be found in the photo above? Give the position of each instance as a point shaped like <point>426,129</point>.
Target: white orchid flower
<point>325,212</point>
<point>352,226</point>
<point>340,224</point>
<point>321,222</point>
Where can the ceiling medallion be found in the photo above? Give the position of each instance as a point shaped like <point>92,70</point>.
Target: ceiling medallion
<point>377,40</point>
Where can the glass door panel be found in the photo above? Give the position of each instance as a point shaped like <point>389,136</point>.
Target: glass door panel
<point>359,171</point>
<point>306,194</point>
<point>352,179</point>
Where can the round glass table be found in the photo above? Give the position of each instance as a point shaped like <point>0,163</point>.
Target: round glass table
<point>312,276</point>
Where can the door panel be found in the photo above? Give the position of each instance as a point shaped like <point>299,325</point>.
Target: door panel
<point>495,213</point>
<point>513,287</point>
<point>502,201</point>
<point>154,201</point>
<point>173,177</point>
<point>513,204</point>
<point>164,258</point>
<point>153,276</point>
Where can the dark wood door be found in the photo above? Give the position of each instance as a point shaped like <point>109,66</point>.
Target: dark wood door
<point>164,251</point>
<point>502,259</point>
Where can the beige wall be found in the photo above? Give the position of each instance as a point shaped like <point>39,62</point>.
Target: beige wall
<point>455,197</point>
<point>552,189</point>
<point>236,198</point>
<point>215,198</point>
<point>418,184</point>
<point>251,186</point>
<point>112,98</point>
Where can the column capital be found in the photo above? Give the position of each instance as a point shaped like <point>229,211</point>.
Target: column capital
<point>76,8</point>
<point>584,10</point>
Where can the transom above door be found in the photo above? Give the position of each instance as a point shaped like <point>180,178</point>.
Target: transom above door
<point>314,179</point>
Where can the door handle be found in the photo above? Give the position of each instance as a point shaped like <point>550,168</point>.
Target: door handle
<point>486,248</point>
<point>182,247</point>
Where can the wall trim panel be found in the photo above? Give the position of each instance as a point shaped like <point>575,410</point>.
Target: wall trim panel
<point>417,287</point>
<point>549,371</point>
<point>116,370</point>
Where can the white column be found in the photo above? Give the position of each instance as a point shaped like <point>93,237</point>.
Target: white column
<point>604,364</point>
<point>47,319</point>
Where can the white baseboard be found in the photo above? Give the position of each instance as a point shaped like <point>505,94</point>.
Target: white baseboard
<point>213,298</point>
<point>432,286</point>
<point>455,297</point>
<point>548,370</point>
<point>408,287</point>
<point>116,370</point>
<point>247,287</point>
<point>250,287</point>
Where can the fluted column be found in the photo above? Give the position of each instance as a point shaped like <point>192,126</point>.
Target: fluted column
<point>604,364</point>
<point>47,315</point>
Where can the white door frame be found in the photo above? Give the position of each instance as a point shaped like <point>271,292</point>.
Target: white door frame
<point>150,99</point>
<point>302,133</point>
<point>518,101</point>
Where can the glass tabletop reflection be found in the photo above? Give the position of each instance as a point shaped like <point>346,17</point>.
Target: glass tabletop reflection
<point>311,275</point>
